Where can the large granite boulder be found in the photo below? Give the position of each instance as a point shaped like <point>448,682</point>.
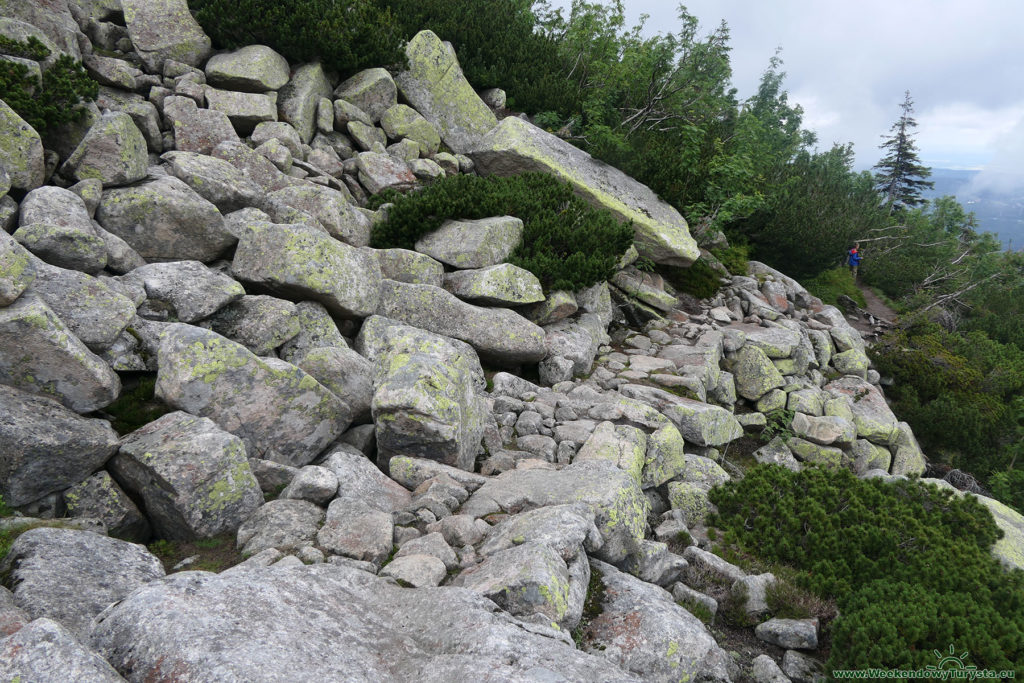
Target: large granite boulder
<point>64,245</point>
<point>281,413</point>
<point>284,524</point>
<point>163,218</point>
<point>500,285</point>
<point>113,151</point>
<point>21,149</point>
<point>330,622</point>
<point>473,243</point>
<point>193,477</point>
<point>164,29</point>
<point>197,130</point>
<point>498,334</point>
<point>245,110</point>
<point>516,146</point>
<point>253,68</point>
<point>42,356</point>
<point>1009,549</point>
<point>301,261</point>
<point>298,100</point>
<point>17,269</point>
<point>259,323</point>
<point>435,87</point>
<point>44,447</point>
<point>70,576</point>
<point>702,424</point>
<point>184,291</point>
<point>755,374</point>
<point>371,91</point>
<point>346,374</point>
<point>402,121</point>
<point>99,497</point>
<point>871,414</point>
<point>215,180</point>
<point>43,651</point>
<point>331,208</point>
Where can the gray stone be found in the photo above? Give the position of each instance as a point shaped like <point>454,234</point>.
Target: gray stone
<point>809,452</point>
<point>298,260</point>
<point>908,458</point>
<point>255,167</point>
<point>313,483</point>
<point>776,452</point>
<point>55,206</point>
<point>346,374</point>
<point>23,150</point>
<point>411,472</point>
<point>473,243</point>
<point>197,130</point>
<point>566,529</point>
<point>357,530</point>
<point>874,419</point>
<point>753,592</point>
<point>113,151</point>
<point>17,269</point>
<point>187,291</point>
<point>280,524</point>
<point>802,668</point>
<point>45,448</point>
<point>799,634</point>
<point>163,218</point>
<point>754,373</point>
<point>331,208</point>
<point>500,285</point>
<point>379,172</point>
<point>763,669</point>
<point>49,360</point>
<point>215,180</point>
<point>281,131</point>
<point>316,330</point>
<point>416,570</point>
<point>372,91</point>
<point>432,544</point>
<point>273,406</point>
<point>259,323</point>
<point>244,110</point>
<point>367,138</point>
<point>164,29</point>
<point>193,477</point>
<point>707,570</point>
<point>70,576</point>
<point>557,306</point>
<point>401,121</point>
<point>297,101</point>
<point>409,266</point>
<point>99,497</point>
<point>824,431</point>
<point>64,246</point>
<point>345,111</point>
<point>699,423</point>
<point>43,651</point>
<point>254,68</point>
<point>360,480</point>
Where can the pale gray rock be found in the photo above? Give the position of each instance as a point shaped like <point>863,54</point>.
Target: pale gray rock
<point>367,138</point>
<point>255,167</point>
<point>754,373</point>
<point>331,208</point>
<point>707,570</point>
<point>799,634</point>
<point>802,668</point>
<point>824,431</point>
<point>331,622</point>
<point>346,374</point>
<point>254,68</point>
<point>197,130</point>
<point>379,172</point>
<point>49,360</point>
<point>316,330</point>
<point>297,101</point>
<point>401,121</point>
<point>298,260</point>
<point>497,334</point>
<point>411,472</point>
<point>763,669</point>
<point>23,150</point>
<point>283,132</point>
<point>908,458</point>
<point>776,452</point>
<point>700,423</point>
<point>272,476</point>
<point>17,269</point>
<point>70,576</point>
<point>121,258</point>
<point>372,91</point>
<point>113,151</point>
<point>280,524</point>
<point>360,480</point>
<point>809,452</point>
<point>163,218</point>
<point>45,448</point>
<point>186,291</point>
<point>417,571</point>
<point>142,112</point>
<point>432,544</point>
<point>867,456</point>
<point>409,266</point>
<point>557,306</point>
<point>64,246</point>
<point>164,29</point>
<point>56,206</point>
<point>345,111</point>
<point>273,406</point>
<point>192,476</point>
<point>357,530</point>
<point>313,483</point>
<point>99,497</point>
<point>473,243</point>
<point>244,110</point>
<point>215,180</point>
<point>500,285</point>
<point>564,528</point>
<point>43,651</point>
<point>259,323</point>
<point>872,416</point>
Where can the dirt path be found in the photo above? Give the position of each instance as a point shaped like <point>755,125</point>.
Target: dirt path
<point>876,307</point>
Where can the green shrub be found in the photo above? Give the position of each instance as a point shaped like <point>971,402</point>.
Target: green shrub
<point>699,279</point>
<point>566,243</point>
<point>734,257</point>
<point>65,85</point>
<point>908,565</point>
<point>347,35</point>
<point>136,407</point>
<point>830,284</point>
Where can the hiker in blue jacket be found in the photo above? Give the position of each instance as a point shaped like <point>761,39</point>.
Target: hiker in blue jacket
<point>853,258</point>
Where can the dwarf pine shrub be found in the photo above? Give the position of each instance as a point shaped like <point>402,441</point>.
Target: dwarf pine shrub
<point>566,243</point>
<point>908,565</point>
<point>65,85</point>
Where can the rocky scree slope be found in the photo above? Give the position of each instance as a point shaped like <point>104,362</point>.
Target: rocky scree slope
<point>427,520</point>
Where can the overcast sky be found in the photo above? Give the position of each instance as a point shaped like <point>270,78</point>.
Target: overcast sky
<point>848,63</point>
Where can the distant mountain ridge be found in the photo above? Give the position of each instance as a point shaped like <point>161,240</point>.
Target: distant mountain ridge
<point>997,201</point>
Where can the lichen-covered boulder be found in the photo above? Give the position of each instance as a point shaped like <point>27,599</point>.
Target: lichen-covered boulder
<point>908,458</point>
<point>809,452</point>
<point>473,243</point>
<point>163,218</point>
<point>700,423</point>
<point>346,374</point>
<point>259,323</point>
<point>872,416</point>
<point>164,29</point>
<point>330,207</point>
<point>317,329</point>
<point>43,357</point>
<point>498,334</point>
<point>113,151</point>
<point>516,146</point>
<point>379,172</point>
<point>17,269</point>
<point>435,87</point>
<point>557,306</point>
<point>358,530</point>
<point>245,110</point>
<point>623,446</point>
<point>185,291</point>
<point>297,101</point>
<point>825,430</point>
<point>691,500</point>
<point>254,166</point>
<point>253,68</point>
<point>373,91</point>
<point>192,476</point>
<point>665,458</point>
<point>1009,549</point>
<point>44,447</point>
<point>867,456</point>
<point>284,524</point>
<point>215,180</point>
<point>21,150</point>
<point>405,265</point>
<point>70,576</point>
<point>500,285</point>
<point>197,130</point>
<point>65,246</point>
<point>43,651</point>
<point>640,286</point>
<point>276,408</point>
<point>401,121</point>
<point>299,260</point>
<point>99,497</point>
<point>754,373</point>
<point>852,362</point>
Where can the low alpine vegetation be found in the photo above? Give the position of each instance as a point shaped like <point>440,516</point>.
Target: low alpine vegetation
<point>53,101</point>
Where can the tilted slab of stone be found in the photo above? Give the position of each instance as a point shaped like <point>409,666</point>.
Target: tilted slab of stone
<point>297,101</point>
<point>473,243</point>
<point>43,357</point>
<point>331,208</point>
<point>636,284</point>
<point>516,146</point>
<point>643,630</point>
<point>411,472</point>
<point>192,476</point>
<point>64,246</point>
<point>825,431</point>
<point>317,329</point>
<point>754,373</point>
<point>566,529</point>
<point>619,506</point>
<point>254,68</point>
<point>298,260</point>
<point>331,622</point>
<point>284,524</point>
<point>187,290</point>
<point>379,172</point>
<point>401,121</point>
<point>21,149</point>
<point>823,456</point>
<point>197,130</point>
<point>665,458</point>
<point>99,497</point>
<point>215,180</point>
<point>245,110</point>
<point>405,265</point>
<point>163,218</point>
<point>699,423</point>
<point>908,458</point>
<point>776,452</point>
<point>500,285</point>
<point>498,334</point>
<point>372,91</point>
<point>94,312</point>
<point>113,151</point>
<point>164,29</point>
<point>622,446</point>
<point>17,269</point>
<point>874,419</point>
<point>775,341</point>
<point>70,576</point>
<point>44,447</point>
<point>46,652</point>
<point>346,374</point>
<point>1009,549</point>
<point>867,456</point>
<point>273,406</point>
<point>56,206</point>
<point>254,166</point>
<point>557,306</point>
<point>259,323</point>
<point>360,479</point>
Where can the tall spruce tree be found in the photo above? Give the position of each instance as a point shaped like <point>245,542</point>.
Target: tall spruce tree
<point>900,176</point>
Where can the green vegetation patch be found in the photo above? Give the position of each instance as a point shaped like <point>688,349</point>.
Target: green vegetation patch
<point>65,85</point>
<point>829,285</point>
<point>211,554</point>
<point>566,243</point>
<point>136,407</point>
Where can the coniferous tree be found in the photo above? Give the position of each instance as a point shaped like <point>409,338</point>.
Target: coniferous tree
<point>900,176</point>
